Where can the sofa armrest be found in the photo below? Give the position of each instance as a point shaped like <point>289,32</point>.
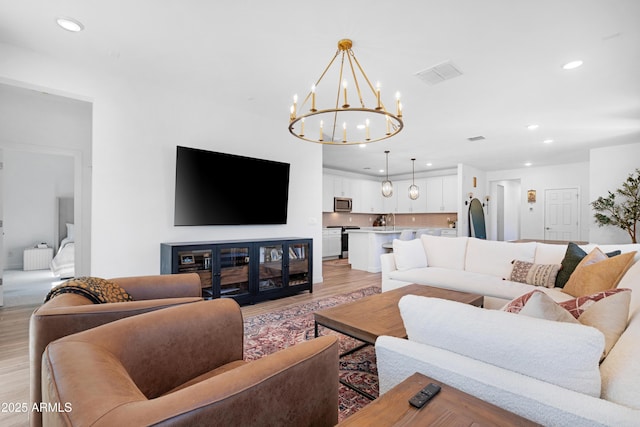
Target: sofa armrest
<point>161,286</point>
<point>388,265</point>
<point>528,397</point>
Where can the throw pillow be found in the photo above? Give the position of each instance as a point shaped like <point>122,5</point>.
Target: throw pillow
<point>607,311</point>
<point>572,258</point>
<point>409,254</point>
<point>534,274</point>
<point>596,272</point>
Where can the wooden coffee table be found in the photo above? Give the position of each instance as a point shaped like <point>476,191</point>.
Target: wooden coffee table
<point>450,407</point>
<point>370,317</point>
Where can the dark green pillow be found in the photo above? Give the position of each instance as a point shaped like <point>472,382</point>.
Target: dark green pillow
<point>572,258</point>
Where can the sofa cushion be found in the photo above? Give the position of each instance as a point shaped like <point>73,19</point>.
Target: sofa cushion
<point>518,343</point>
<point>534,274</point>
<point>572,257</point>
<point>597,272</point>
<point>409,254</point>
<point>445,252</point>
<point>494,257</point>
<point>606,311</point>
<point>549,253</point>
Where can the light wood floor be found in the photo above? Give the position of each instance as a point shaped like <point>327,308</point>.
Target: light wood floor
<point>338,278</point>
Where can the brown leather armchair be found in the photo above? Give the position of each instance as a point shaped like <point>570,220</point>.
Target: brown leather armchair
<point>67,314</point>
<point>184,366</point>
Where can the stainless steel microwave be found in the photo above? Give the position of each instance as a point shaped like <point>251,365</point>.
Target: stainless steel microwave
<point>342,204</point>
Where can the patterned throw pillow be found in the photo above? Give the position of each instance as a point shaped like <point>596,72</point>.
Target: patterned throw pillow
<point>534,274</point>
<point>95,289</point>
<point>607,311</point>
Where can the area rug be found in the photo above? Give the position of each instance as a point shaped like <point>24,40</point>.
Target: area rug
<point>268,333</point>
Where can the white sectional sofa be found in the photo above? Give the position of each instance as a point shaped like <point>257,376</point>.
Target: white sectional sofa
<point>544,370</point>
<point>474,265</point>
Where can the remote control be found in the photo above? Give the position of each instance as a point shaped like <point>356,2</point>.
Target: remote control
<point>424,395</point>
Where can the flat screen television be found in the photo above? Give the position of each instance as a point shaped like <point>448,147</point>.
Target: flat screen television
<point>224,189</point>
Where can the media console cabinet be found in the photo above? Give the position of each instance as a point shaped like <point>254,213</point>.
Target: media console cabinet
<point>245,270</point>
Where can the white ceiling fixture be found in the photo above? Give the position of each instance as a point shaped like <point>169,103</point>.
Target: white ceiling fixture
<point>533,127</point>
<point>572,65</point>
<point>70,24</point>
<point>548,141</point>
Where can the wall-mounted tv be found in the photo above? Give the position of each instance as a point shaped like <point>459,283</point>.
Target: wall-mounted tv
<point>224,189</point>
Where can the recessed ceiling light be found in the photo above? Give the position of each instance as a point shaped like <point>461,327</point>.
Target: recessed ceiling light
<point>362,145</point>
<point>533,127</point>
<point>381,170</point>
<point>70,24</point>
<point>571,65</point>
<point>548,141</point>
<point>528,164</point>
<point>429,164</point>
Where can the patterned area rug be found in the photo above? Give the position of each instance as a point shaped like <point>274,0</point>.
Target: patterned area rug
<point>268,333</point>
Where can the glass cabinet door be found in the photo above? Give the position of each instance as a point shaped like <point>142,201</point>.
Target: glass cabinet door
<point>299,265</point>
<point>234,271</point>
<point>270,273</point>
<point>198,261</point>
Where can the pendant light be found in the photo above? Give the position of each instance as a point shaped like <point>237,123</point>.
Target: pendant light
<point>387,186</point>
<point>414,191</point>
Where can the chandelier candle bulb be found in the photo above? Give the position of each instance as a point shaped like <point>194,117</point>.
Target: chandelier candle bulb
<point>379,107</point>
<point>344,86</point>
<point>292,114</point>
<point>295,105</point>
<point>302,127</point>
<point>321,136</point>
<point>388,126</point>
<point>344,132</point>
<point>398,107</point>
<point>313,98</point>
<point>366,127</point>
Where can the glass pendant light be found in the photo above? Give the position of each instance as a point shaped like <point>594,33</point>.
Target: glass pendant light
<point>414,191</point>
<point>387,186</point>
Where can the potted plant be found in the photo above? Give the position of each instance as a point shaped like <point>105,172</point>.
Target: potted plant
<point>621,208</point>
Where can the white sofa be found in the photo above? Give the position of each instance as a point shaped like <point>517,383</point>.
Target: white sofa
<point>543,370</point>
<point>474,265</point>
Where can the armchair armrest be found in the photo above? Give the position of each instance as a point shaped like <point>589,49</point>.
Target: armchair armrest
<point>161,286</point>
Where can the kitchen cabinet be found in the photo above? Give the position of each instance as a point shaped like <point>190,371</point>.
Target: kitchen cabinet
<point>442,194</point>
<point>367,197</point>
<point>331,242</point>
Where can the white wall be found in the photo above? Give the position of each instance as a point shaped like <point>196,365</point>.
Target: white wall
<point>572,175</point>
<point>609,168</point>
<point>136,127</point>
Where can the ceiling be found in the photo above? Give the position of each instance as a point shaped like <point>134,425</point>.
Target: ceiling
<point>254,55</point>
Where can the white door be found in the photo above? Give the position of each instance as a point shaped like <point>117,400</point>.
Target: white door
<point>561,216</point>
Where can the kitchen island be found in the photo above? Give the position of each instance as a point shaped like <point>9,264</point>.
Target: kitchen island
<point>366,245</point>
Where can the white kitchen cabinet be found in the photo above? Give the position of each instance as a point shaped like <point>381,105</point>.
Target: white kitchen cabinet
<point>342,187</point>
<point>367,197</point>
<point>331,242</point>
<point>327,193</point>
<point>442,194</point>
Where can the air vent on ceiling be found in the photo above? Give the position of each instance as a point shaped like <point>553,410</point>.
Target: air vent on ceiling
<point>476,138</point>
<point>439,73</point>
